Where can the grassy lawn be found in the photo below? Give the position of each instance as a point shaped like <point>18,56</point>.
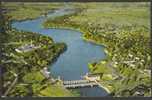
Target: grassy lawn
<point>56,91</point>
<point>42,87</point>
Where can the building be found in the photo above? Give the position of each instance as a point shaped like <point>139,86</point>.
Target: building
<point>93,77</point>
<point>45,72</point>
<point>26,48</point>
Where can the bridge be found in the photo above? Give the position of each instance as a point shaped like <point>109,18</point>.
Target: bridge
<point>79,84</point>
<point>88,81</point>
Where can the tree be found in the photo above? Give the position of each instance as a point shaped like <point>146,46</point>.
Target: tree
<point>4,38</point>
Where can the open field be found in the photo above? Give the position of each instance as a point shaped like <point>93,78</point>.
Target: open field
<point>106,13</point>
<point>22,11</point>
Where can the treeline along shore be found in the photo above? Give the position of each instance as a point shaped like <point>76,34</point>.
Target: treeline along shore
<point>24,54</point>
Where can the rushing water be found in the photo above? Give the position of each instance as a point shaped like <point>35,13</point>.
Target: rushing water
<point>73,63</point>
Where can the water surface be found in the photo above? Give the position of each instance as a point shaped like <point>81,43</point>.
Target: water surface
<point>73,63</point>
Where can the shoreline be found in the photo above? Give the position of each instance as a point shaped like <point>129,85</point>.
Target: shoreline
<point>87,40</point>
<point>109,50</point>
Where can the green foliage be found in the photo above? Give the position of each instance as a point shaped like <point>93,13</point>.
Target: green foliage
<point>55,91</point>
<point>28,64</point>
<point>19,91</point>
<point>33,77</point>
<point>124,30</point>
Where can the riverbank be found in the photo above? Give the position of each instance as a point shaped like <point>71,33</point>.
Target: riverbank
<point>28,64</point>
<point>126,69</point>
<point>34,60</point>
<point>126,53</point>
<point>81,29</point>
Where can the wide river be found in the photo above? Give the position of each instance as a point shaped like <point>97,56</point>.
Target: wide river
<point>73,63</point>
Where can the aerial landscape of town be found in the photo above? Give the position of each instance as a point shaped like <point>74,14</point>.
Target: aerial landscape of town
<point>71,49</point>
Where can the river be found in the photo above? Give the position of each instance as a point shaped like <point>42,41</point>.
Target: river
<point>73,63</point>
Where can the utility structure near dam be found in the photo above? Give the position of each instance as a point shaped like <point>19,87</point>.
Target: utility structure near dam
<point>89,80</point>
<point>78,84</point>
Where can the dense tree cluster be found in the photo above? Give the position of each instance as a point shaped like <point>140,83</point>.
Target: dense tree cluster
<point>128,56</point>
<point>17,65</point>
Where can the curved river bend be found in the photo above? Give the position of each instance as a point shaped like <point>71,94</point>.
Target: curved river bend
<point>73,63</point>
